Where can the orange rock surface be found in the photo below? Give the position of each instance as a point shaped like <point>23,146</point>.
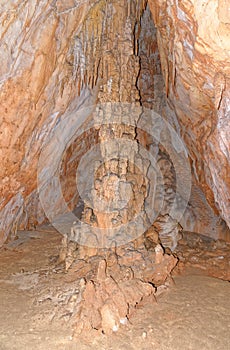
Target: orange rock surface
<point>194,45</point>
<point>43,71</point>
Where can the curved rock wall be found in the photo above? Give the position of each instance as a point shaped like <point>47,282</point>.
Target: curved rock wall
<point>36,88</point>
<point>41,80</point>
<point>194,42</point>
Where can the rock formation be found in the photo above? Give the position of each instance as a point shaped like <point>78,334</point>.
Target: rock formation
<point>96,98</point>
<point>193,41</point>
<point>54,52</point>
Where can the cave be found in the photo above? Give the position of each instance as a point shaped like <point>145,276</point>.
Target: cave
<point>115,187</point>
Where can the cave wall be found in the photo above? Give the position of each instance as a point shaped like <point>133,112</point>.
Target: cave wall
<point>43,72</point>
<point>193,40</point>
<point>36,88</point>
<point>201,215</point>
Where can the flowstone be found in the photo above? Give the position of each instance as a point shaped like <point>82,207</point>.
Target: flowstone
<point>114,282</point>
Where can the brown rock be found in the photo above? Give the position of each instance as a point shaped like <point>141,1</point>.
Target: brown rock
<point>200,92</point>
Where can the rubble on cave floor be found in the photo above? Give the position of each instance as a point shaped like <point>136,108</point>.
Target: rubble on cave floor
<point>103,292</point>
<point>114,282</point>
<point>203,253</point>
<point>95,292</point>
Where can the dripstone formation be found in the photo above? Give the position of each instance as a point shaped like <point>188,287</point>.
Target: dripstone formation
<point>126,263</point>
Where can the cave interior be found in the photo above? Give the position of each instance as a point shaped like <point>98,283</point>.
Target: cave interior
<point>115,186</point>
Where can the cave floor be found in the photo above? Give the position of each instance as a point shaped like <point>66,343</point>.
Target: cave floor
<point>37,299</point>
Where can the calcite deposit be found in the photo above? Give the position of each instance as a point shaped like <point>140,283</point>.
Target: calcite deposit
<point>193,41</point>
<point>114,282</point>
<point>36,88</point>
<point>114,122</point>
<point>56,55</point>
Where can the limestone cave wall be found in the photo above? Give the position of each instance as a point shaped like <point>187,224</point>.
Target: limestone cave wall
<point>193,40</point>
<point>54,58</point>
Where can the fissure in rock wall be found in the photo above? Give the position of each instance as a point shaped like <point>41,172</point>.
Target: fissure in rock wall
<point>43,75</point>
<point>117,192</point>
<point>119,175</point>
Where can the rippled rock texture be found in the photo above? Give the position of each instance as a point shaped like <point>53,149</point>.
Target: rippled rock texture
<point>114,283</point>
<point>36,88</point>
<point>53,54</point>
<point>194,41</point>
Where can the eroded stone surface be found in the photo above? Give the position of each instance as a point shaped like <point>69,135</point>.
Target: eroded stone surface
<point>114,284</point>
<point>36,89</point>
<point>42,298</point>
<point>195,65</point>
<point>42,76</point>
<point>203,253</point>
